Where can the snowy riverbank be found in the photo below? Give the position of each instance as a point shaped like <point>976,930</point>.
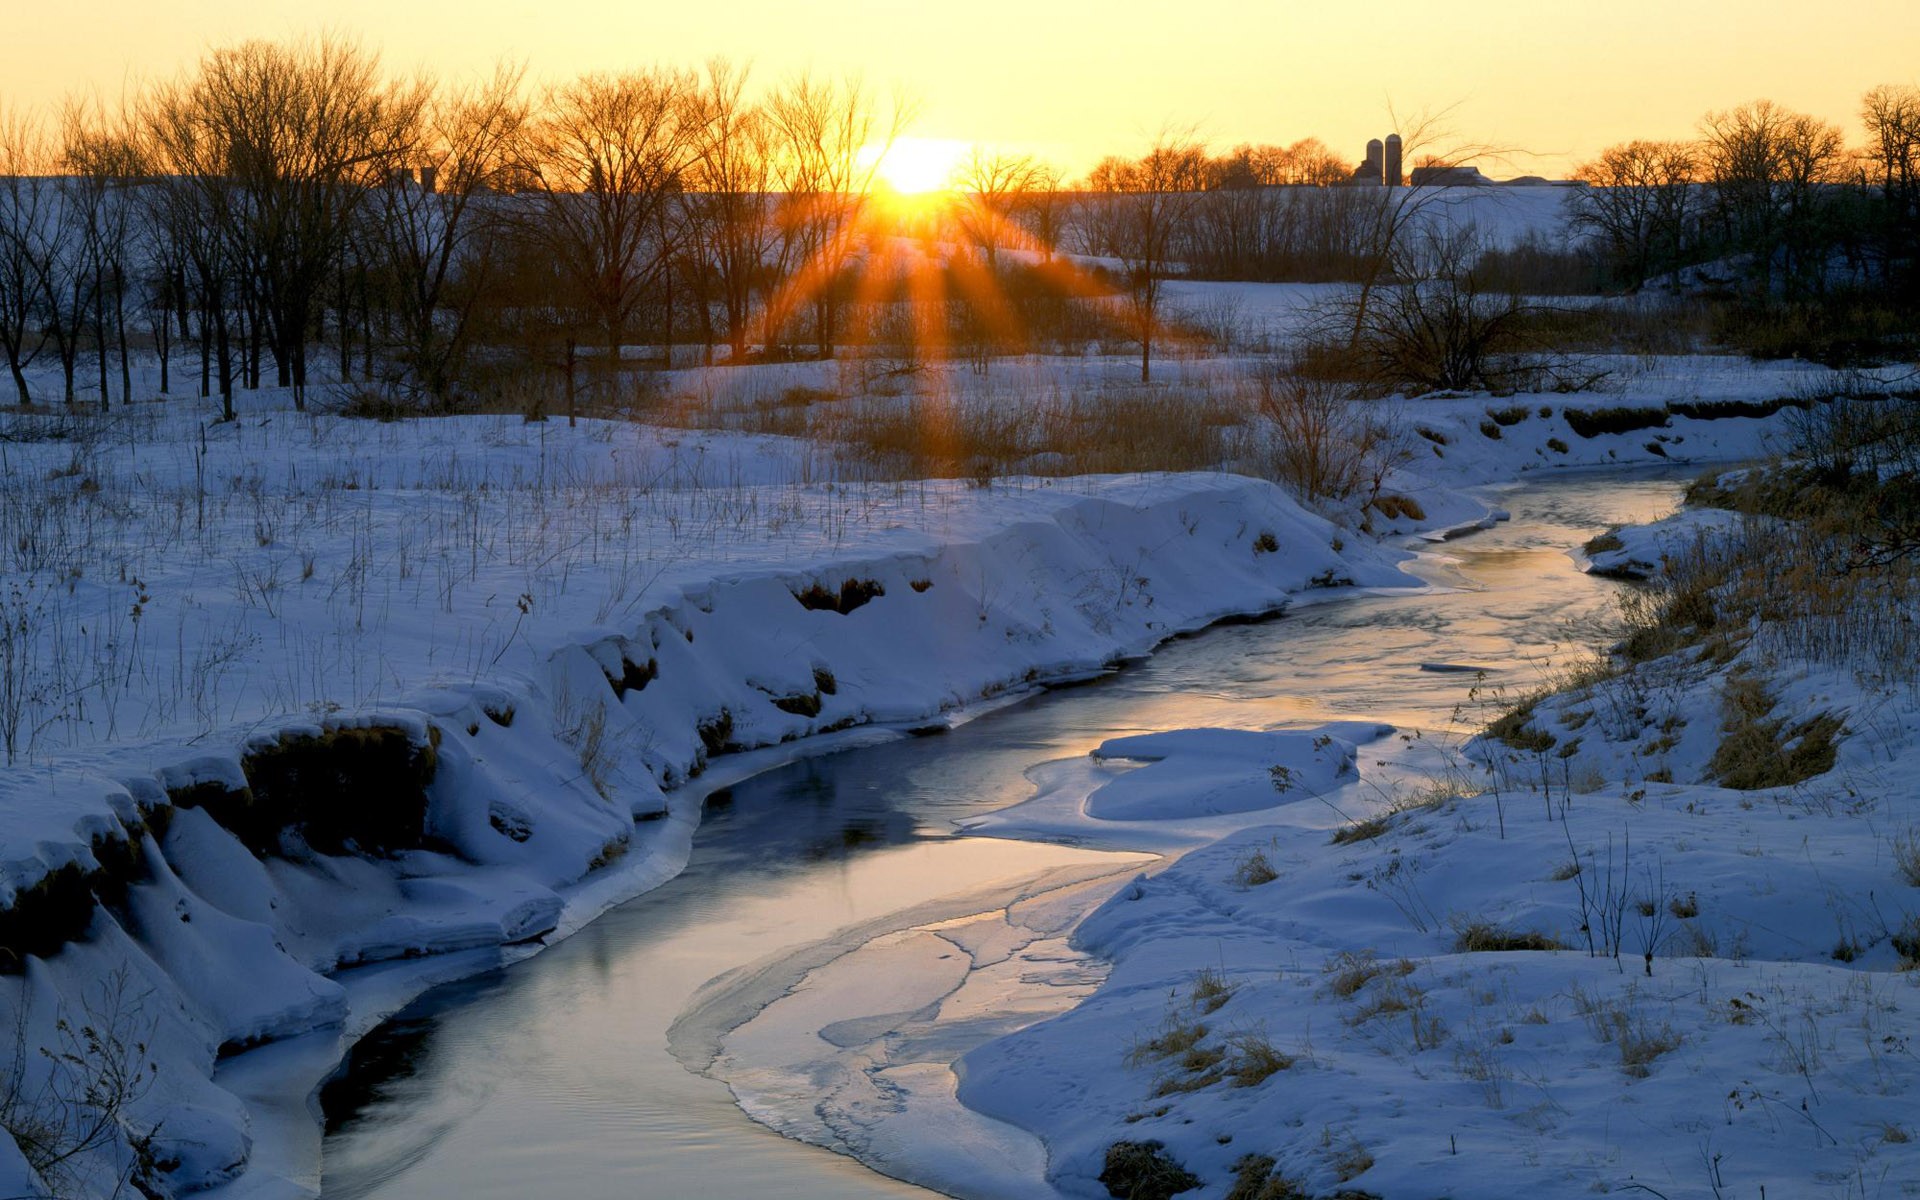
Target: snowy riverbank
<point>1600,951</point>
<point>539,633</point>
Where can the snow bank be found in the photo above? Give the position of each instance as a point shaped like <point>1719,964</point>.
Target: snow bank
<point>245,897</point>
<point>1206,772</point>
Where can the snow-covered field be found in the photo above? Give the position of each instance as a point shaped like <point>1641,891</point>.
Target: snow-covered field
<point>500,646</point>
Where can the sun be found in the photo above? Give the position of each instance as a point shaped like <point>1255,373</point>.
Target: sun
<point>916,167</point>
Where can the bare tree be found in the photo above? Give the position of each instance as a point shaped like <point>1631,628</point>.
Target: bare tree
<point>26,205</point>
<point>66,272</point>
<point>287,142</point>
<point>727,205</point>
<point>1392,223</point>
<point>101,153</point>
<point>990,186</point>
<point>437,238</point>
<point>1435,328</point>
<point>1770,167</point>
<point>831,140</point>
<point>606,158</point>
<point>1892,117</point>
<point>190,207</point>
<point>1144,204</point>
<point>1043,210</point>
<point>1641,203</point>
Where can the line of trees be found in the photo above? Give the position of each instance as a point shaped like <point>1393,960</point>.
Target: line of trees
<point>282,197</point>
<point>283,202</point>
<point>1778,193</point>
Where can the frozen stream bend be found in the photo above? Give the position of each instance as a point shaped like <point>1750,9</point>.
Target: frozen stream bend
<point>832,946</point>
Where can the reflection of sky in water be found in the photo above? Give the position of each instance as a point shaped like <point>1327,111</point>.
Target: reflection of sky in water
<point>554,1078</point>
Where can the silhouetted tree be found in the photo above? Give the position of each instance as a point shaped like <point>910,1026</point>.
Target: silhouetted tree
<point>1642,203</point>
<point>283,144</point>
<point>1144,204</point>
<point>438,238</point>
<point>988,186</point>
<point>102,157</point>
<point>1770,168</point>
<point>1892,117</point>
<point>26,207</point>
<point>730,247</point>
<point>831,140</point>
<point>606,158</point>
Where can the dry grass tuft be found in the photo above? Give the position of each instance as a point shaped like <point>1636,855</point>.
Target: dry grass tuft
<point>1362,831</point>
<point>1254,869</point>
<point>1480,937</point>
<point>1756,752</point>
<point>1254,1059</point>
<point>1210,990</point>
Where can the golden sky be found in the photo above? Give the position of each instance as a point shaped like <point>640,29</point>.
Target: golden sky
<point>1075,79</point>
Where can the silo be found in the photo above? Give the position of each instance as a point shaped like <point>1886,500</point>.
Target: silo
<point>1392,172</point>
<point>1374,168</point>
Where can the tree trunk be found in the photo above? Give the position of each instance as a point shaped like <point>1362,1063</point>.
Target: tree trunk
<point>223,346</point>
<point>120,334</point>
<point>570,387</point>
<point>100,342</point>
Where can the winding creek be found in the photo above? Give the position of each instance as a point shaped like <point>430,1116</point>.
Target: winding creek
<point>557,1077</point>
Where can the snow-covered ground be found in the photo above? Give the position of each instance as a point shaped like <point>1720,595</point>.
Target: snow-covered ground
<point>529,635</point>
<point>1564,961</point>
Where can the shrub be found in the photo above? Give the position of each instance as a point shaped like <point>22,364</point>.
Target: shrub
<point>1906,942</point>
<point>1906,855</point>
<point>1715,410</point>
<point>1361,831</point>
<point>1755,752</point>
<point>1325,445</point>
<point>1393,506</point>
<point>634,676</point>
<point>800,704</point>
<point>1255,1178</point>
<point>1349,971</point>
<point>1210,990</point>
<point>1514,729</point>
<point>1144,1171</point>
<point>1176,1037</point>
<point>1349,1159</point>
<point>1194,1071</point>
<point>800,396</point>
<point>716,733</point>
<point>1254,1059</point>
<point>1480,937</point>
<point>1254,869</point>
<point>1621,1023</point>
<point>84,1104</point>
